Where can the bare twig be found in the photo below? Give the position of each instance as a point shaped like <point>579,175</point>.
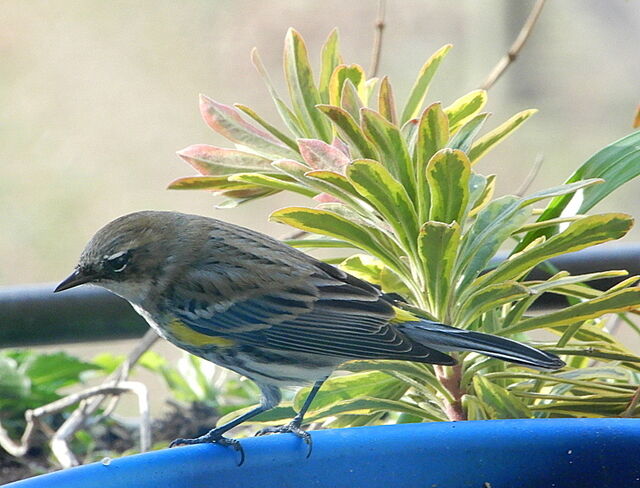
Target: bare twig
<point>17,449</point>
<point>298,234</point>
<point>148,340</point>
<point>516,47</point>
<point>60,440</point>
<point>377,39</point>
<point>535,169</point>
<point>79,416</point>
<point>90,400</point>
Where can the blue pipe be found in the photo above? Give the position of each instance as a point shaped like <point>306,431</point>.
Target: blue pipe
<point>559,453</point>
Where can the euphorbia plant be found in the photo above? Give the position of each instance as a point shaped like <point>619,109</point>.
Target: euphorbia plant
<point>401,187</point>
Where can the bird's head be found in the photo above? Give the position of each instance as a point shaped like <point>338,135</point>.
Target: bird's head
<point>127,255</point>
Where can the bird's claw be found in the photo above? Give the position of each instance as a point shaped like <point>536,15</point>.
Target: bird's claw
<point>291,428</point>
<point>212,438</point>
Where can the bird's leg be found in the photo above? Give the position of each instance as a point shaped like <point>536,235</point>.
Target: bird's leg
<point>271,397</point>
<point>294,427</point>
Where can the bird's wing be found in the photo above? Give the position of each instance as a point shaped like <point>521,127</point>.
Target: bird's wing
<point>247,298</point>
<point>320,311</point>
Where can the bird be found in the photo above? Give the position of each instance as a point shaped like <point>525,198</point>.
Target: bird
<point>256,306</point>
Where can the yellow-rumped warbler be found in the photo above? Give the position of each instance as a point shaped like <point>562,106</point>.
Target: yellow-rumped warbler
<point>260,308</point>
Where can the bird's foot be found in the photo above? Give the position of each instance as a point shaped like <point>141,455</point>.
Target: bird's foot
<point>212,437</point>
<point>292,427</point>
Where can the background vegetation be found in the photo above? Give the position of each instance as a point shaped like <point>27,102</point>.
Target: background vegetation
<point>97,97</point>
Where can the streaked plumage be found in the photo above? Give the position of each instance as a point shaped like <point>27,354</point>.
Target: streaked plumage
<point>256,306</point>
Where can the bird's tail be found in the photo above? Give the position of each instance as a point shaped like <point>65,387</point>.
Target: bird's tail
<point>446,339</point>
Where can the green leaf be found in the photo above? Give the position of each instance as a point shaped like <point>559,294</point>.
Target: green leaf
<point>227,121</point>
<point>448,174</point>
<point>586,232</point>
<point>493,226</point>
<point>350,130</point>
<point>552,222</point>
<point>559,379</point>
<point>221,185</point>
<point>292,122</point>
<point>55,370</point>
<point>618,302</point>
<point>214,183</point>
<point>328,182</point>
<point>360,216</point>
<point>150,360</point>
<point>386,101</point>
<point>616,166</point>
<point>463,139</point>
<point>595,353</point>
<point>353,72</point>
<point>438,247</point>
<point>109,362</point>
<point>333,225</point>
<point>339,187</point>
<point>377,186</point>
<point>551,284</point>
<point>367,89</point>
<point>368,405</point>
<point>474,408</point>
<point>597,373</point>
<point>497,135</point>
<point>218,161</point>
<point>578,409</point>
<point>464,108</point>
<point>317,243</point>
<point>560,190</point>
<point>320,155</point>
<point>242,195</point>
<point>391,146</point>
<point>275,416</point>
<point>414,370</point>
<point>302,88</point>
<point>489,298</point>
<point>14,384</point>
<point>432,134</point>
<point>617,163</point>
<point>375,272</point>
<point>349,100</point>
<point>501,403</point>
<point>330,60</point>
<point>295,169</point>
<point>409,132</point>
<point>339,388</point>
<point>335,179</point>
<point>477,189</point>
<point>273,183</point>
<point>421,85</point>
<point>274,131</point>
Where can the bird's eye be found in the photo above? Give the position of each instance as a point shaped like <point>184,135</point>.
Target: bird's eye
<point>118,261</point>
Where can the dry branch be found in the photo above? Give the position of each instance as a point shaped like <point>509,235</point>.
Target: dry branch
<point>516,47</point>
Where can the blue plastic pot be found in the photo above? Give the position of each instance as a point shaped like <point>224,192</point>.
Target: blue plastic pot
<point>500,453</point>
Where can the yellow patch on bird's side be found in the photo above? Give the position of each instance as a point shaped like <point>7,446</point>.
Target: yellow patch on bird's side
<point>403,316</point>
<point>186,334</point>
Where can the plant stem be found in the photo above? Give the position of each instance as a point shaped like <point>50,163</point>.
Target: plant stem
<point>515,48</point>
<point>450,378</point>
<point>377,41</point>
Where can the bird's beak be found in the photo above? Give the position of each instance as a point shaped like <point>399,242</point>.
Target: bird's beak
<point>78,277</point>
